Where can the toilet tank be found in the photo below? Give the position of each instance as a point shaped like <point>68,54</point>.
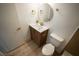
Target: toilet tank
<point>55,39</point>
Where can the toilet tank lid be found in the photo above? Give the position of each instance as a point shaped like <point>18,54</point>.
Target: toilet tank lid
<point>57,37</point>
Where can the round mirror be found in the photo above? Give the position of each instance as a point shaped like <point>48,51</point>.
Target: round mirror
<point>45,12</point>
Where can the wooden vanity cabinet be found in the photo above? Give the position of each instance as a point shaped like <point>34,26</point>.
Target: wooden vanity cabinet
<point>38,37</point>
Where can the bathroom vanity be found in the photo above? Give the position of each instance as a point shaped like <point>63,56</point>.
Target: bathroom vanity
<point>38,34</point>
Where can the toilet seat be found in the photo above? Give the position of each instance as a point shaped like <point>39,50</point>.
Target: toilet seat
<point>48,49</point>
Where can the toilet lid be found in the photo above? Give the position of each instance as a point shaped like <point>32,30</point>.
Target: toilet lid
<point>48,49</point>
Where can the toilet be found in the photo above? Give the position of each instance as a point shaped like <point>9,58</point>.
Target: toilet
<point>49,48</point>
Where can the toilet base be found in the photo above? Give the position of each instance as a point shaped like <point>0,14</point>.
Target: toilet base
<point>48,49</point>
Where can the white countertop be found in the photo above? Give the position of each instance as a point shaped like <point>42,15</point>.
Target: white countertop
<point>39,28</point>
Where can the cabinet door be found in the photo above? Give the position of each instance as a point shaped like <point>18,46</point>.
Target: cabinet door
<point>35,35</point>
<point>44,37</point>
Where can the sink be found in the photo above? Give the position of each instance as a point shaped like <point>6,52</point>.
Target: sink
<point>39,28</point>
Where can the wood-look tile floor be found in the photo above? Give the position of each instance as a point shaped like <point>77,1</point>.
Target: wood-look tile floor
<point>27,49</point>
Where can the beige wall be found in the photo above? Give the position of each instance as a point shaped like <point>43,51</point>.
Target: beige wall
<point>9,21</point>
<point>64,22</point>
